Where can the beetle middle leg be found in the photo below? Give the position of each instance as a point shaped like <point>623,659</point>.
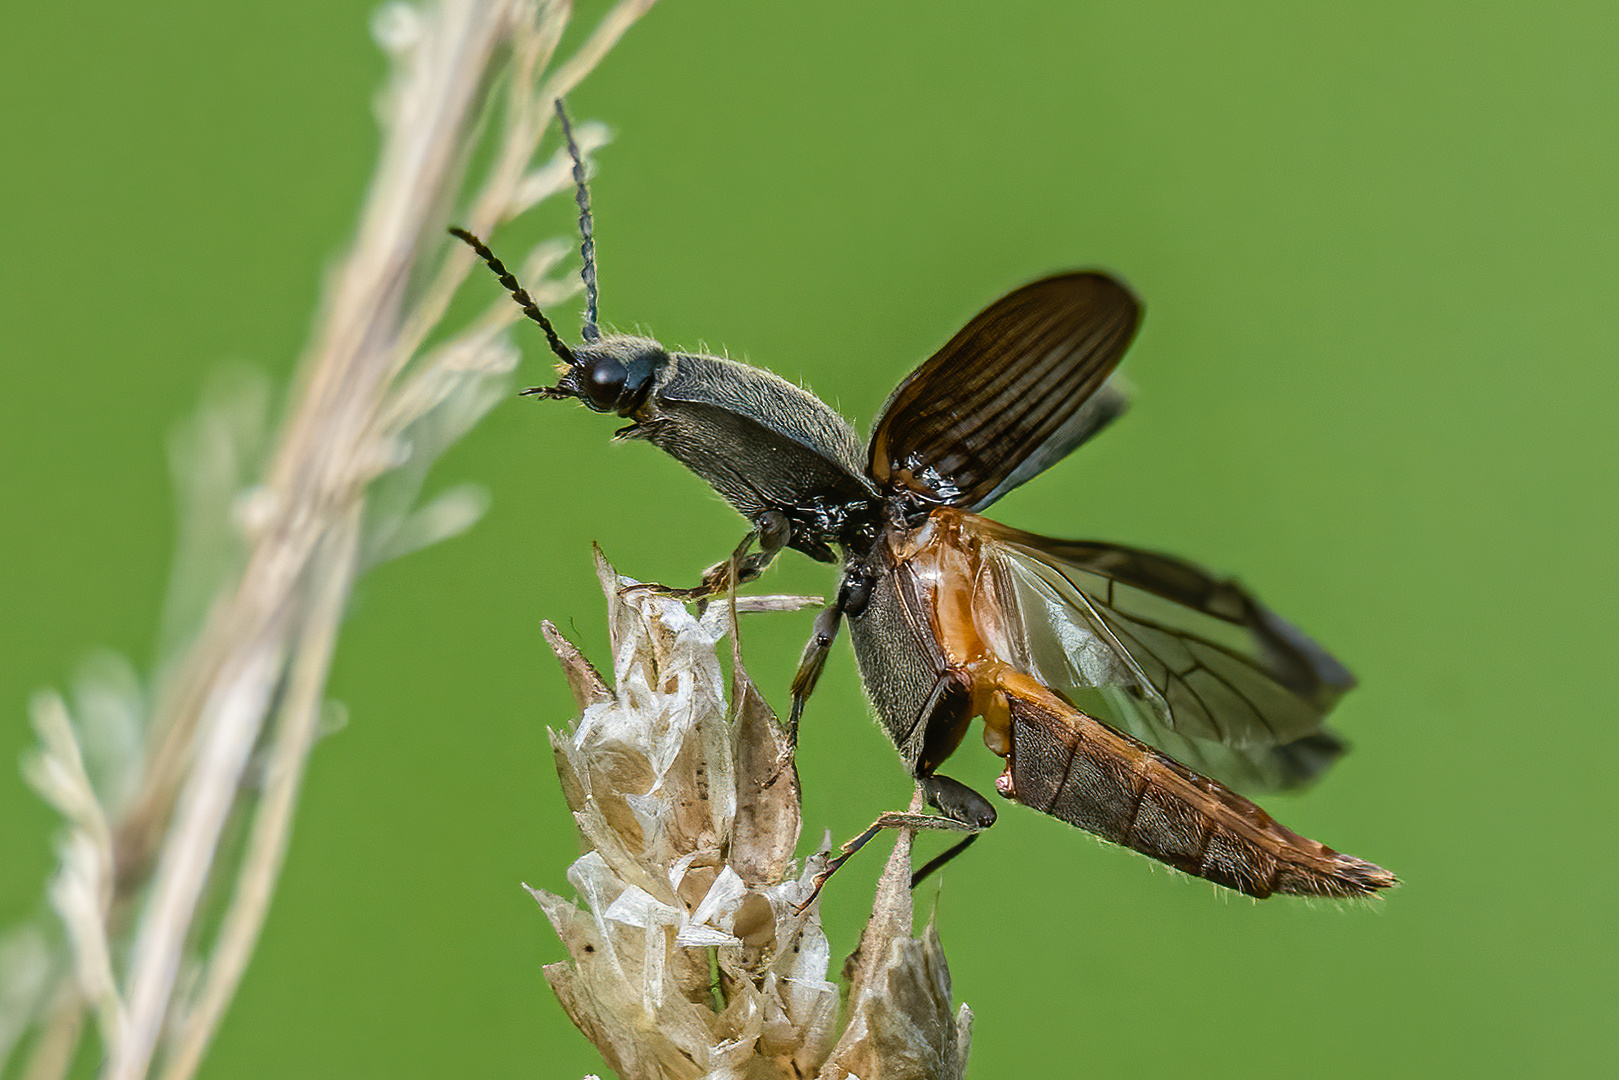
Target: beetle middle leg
<point>853,593</point>
<point>810,666</point>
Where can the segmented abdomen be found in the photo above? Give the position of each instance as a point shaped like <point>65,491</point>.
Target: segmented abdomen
<point>1066,764</point>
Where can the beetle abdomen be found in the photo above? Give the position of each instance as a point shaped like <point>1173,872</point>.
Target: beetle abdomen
<point>1068,765</point>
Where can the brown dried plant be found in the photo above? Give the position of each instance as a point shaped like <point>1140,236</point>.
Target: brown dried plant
<point>697,952</point>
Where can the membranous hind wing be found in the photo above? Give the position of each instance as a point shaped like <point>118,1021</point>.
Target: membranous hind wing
<point>1168,653</point>
<point>1019,387</point>
<point>1132,694</point>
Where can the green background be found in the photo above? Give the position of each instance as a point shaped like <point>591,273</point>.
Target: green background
<point>1376,379</point>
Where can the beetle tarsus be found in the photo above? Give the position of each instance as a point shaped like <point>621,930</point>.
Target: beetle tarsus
<point>938,861</point>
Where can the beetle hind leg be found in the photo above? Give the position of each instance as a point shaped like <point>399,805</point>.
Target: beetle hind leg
<point>938,861</point>
<point>901,819</point>
<point>957,801</point>
<point>961,809</point>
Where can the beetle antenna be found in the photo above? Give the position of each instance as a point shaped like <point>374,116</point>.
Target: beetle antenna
<point>587,231</point>
<point>520,294</point>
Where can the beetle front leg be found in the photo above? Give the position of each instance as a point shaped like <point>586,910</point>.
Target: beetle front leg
<point>772,530</point>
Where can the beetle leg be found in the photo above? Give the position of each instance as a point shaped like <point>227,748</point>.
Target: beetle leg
<point>917,877</point>
<point>772,530</point>
<point>957,801</point>
<point>854,592</point>
<point>813,661</point>
<point>961,809</point>
<point>895,819</point>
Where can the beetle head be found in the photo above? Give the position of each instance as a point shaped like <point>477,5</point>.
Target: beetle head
<point>761,442</point>
<point>614,374</point>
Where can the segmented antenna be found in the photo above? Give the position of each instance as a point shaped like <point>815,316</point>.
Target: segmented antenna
<point>520,294</point>
<point>587,234</point>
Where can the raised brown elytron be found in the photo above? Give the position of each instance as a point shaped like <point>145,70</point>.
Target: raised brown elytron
<point>1131,694</point>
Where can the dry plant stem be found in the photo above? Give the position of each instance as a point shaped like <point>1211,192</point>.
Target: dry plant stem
<point>606,35</point>
<point>295,728</point>
<point>269,635</point>
<point>321,466</point>
<point>319,462</point>
<point>59,1037</point>
<point>231,719</point>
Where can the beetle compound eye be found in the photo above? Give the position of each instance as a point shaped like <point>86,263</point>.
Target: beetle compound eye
<point>603,383</point>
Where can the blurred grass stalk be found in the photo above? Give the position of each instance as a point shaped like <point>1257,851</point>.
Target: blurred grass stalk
<point>699,953</point>
<point>148,780</point>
